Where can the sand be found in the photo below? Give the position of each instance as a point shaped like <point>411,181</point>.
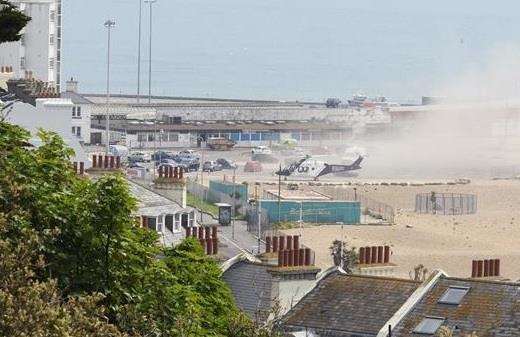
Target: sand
<point>442,242</point>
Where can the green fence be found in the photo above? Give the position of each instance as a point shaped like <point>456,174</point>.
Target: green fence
<point>347,212</point>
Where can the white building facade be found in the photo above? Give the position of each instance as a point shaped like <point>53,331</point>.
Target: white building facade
<point>38,53</point>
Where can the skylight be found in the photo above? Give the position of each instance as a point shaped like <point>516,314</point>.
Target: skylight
<point>429,325</point>
<point>453,295</point>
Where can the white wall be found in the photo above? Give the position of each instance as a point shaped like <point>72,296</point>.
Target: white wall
<point>36,46</point>
<point>53,116</point>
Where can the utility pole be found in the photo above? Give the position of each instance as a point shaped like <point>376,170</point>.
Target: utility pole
<point>279,195</point>
<point>234,205</point>
<point>109,24</point>
<point>139,51</point>
<point>150,2</point>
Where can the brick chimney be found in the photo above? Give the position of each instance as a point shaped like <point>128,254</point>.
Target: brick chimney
<point>375,260</point>
<point>172,182</point>
<point>104,164</point>
<point>489,268</point>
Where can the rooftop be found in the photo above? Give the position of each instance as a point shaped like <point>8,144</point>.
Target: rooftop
<point>346,305</point>
<point>486,308</point>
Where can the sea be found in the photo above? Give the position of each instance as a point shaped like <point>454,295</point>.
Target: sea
<point>304,50</point>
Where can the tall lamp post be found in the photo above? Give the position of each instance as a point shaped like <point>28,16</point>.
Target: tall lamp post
<point>109,24</point>
<point>150,2</point>
<point>139,51</point>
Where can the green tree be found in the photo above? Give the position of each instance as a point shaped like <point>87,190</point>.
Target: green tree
<point>88,254</point>
<point>33,308</point>
<point>12,21</point>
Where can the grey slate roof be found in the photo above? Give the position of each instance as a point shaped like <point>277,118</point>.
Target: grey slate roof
<point>490,309</point>
<point>349,305</point>
<point>75,97</point>
<point>153,204</point>
<point>253,288</point>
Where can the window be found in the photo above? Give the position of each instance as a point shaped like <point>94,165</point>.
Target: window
<point>245,136</point>
<point>78,131</point>
<point>141,137</point>
<point>159,223</point>
<point>174,137</point>
<point>429,326</point>
<point>73,111</point>
<point>22,62</point>
<point>51,39</point>
<point>152,223</point>
<point>454,295</point>
<point>78,111</point>
<point>51,63</point>
<point>22,39</point>
<point>255,136</point>
<point>73,130</point>
<point>168,222</point>
<point>52,16</point>
<point>177,222</point>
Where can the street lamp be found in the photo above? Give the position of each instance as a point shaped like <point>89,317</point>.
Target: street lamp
<point>109,24</point>
<point>139,51</point>
<point>150,2</point>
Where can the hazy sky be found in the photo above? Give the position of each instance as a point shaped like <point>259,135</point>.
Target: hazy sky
<point>288,49</point>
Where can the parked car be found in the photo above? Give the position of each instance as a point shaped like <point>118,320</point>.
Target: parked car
<point>211,166</point>
<point>159,155</point>
<point>138,157</point>
<point>227,164</point>
<point>192,165</point>
<point>253,166</point>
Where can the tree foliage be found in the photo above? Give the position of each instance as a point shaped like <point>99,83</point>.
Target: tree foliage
<point>343,256</point>
<point>12,21</point>
<point>71,248</point>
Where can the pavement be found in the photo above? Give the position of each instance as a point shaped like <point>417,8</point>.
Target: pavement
<point>234,239</point>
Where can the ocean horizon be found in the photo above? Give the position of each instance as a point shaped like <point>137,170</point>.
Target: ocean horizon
<point>290,50</point>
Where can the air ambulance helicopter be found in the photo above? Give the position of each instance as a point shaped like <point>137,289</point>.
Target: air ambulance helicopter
<point>308,167</point>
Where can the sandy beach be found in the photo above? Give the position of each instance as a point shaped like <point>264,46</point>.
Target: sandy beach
<point>442,242</point>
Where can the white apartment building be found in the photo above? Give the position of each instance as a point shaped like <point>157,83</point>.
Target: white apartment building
<point>38,53</point>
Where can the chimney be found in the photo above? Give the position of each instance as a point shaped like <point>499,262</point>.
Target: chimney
<point>275,244</point>
<point>296,242</point>
<point>71,85</point>
<point>485,268</point>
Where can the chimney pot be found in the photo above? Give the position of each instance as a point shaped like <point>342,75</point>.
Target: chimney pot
<point>106,162</point>
<point>474,269</point>
<point>492,267</point>
<point>203,244</point>
<point>201,233</point>
<point>301,254</point>
<point>160,171</point>
<point>374,254</point>
<point>209,247</point>
<point>112,162</point>
<point>291,258</point>
<point>280,259</point>
<point>480,268</point>
<point>188,231</point>
<point>214,234</point>
<point>368,255</point>
<point>170,172</point>
<point>176,173</point>
<point>215,245</point>
<point>486,268</point>
<point>296,242</point>
<point>94,161</point>
<point>207,232</point>
<point>288,242</point>
<point>380,254</point>
<point>281,242</point>
<point>275,244</point>
<point>497,267</point>
<point>296,257</point>
<point>362,255</point>
<point>181,173</point>
<point>100,161</point>
<point>75,164</point>
<point>307,256</point>
<point>285,258</point>
<point>267,244</point>
<point>81,168</point>
<point>387,254</point>
<point>118,162</point>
